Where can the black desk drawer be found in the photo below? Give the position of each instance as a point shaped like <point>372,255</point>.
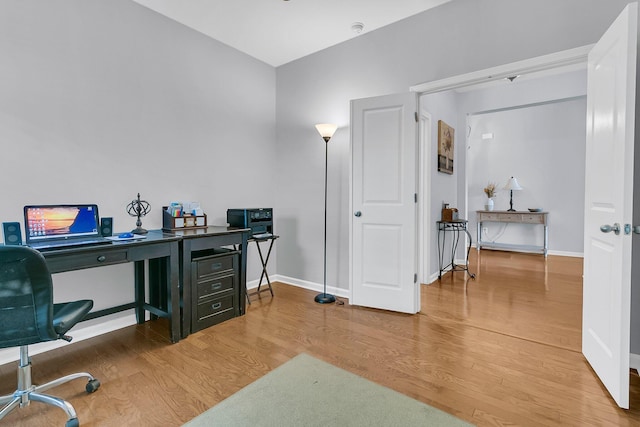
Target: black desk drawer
<point>213,311</point>
<point>87,260</point>
<point>215,264</point>
<point>215,286</point>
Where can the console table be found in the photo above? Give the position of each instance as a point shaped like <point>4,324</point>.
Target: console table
<point>454,227</point>
<point>533,218</point>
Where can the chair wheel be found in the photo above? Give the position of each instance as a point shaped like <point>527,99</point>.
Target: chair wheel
<point>73,422</point>
<point>92,386</point>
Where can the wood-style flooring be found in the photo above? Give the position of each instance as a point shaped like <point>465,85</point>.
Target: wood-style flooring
<point>500,350</point>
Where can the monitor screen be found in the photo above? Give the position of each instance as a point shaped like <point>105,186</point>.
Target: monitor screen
<point>49,222</point>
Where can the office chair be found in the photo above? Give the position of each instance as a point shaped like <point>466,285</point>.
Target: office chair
<point>28,316</point>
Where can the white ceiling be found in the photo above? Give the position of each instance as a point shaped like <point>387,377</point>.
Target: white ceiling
<point>280,31</point>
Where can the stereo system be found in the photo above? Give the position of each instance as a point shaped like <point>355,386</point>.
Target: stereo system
<point>260,221</point>
<point>12,233</point>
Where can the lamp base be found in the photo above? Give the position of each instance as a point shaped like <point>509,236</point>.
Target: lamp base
<point>511,210</point>
<point>139,230</point>
<point>325,298</point>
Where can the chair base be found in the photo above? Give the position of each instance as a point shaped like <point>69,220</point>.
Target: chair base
<point>28,392</point>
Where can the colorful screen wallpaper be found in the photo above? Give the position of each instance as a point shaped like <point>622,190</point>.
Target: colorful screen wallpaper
<point>61,221</point>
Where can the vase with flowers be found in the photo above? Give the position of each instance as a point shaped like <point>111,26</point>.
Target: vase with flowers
<point>490,191</point>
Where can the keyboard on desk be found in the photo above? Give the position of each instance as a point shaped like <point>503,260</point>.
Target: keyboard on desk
<point>50,246</point>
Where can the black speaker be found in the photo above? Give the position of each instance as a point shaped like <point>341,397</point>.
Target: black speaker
<point>12,234</point>
<point>106,226</point>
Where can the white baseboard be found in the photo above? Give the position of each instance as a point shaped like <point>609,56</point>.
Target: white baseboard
<point>569,254</point>
<point>549,252</point>
<point>318,287</point>
<point>634,361</point>
<point>78,333</point>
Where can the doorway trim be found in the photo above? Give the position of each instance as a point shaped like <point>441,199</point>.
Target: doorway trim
<point>571,57</point>
<point>576,57</point>
<point>424,205</point>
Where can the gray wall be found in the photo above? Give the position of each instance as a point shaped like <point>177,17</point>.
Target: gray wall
<point>455,38</point>
<point>543,146</point>
<point>100,100</point>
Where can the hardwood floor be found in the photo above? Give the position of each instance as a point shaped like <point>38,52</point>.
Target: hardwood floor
<point>503,349</point>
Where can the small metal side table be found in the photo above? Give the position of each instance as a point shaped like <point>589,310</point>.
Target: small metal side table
<point>271,238</point>
<point>454,227</point>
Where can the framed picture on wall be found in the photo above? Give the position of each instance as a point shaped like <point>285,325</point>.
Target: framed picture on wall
<point>445,147</point>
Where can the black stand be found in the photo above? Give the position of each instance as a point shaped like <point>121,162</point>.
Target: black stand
<point>511,203</point>
<point>454,227</point>
<point>325,298</point>
<point>264,262</point>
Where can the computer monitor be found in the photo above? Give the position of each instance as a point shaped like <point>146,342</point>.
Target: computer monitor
<point>60,222</point>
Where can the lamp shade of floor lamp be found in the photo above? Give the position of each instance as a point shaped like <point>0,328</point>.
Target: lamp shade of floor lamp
<point>512,185</point>
<point>326,131</point>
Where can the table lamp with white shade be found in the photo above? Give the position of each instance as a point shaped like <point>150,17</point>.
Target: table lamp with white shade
<point>512,185</point>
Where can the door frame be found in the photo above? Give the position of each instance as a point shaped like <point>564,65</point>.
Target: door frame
<point>570,58</point>
<point>425,124</point>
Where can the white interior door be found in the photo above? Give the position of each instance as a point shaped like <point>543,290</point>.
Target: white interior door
<point>609,201</point>
<point>383,198</point>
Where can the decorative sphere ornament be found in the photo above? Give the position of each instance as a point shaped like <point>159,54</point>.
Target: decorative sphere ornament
<point>138,208</point>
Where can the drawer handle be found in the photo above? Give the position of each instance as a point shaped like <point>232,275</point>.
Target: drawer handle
<point>101,258</point>
<point>216,266</point>
<point>216,305</point>
<point>216,286</point>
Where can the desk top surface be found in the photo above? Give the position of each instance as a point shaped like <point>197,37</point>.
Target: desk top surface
<point>211,230</point>
<point>152,237</point>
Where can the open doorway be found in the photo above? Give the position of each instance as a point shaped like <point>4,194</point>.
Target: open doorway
<point>540,81</point>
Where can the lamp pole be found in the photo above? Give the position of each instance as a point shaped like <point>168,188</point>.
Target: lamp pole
<point>326,131</point>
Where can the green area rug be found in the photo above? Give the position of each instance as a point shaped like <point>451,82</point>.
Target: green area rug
<point>309,392</point>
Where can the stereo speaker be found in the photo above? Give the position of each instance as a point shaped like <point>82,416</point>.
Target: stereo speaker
<point>12,234</point>
<point>106,226</point>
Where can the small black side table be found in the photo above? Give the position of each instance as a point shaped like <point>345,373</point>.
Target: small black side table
<point>264,260</point>
<point>455,227</point>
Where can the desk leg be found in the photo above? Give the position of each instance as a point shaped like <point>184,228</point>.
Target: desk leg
<point>173,292</point>
<point>479,234</point>
<point>139,291</point>
<point>185,286</point>
<point>243,298</point>
<point>546,240</point>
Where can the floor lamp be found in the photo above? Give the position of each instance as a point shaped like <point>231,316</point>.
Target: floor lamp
<point>326,131</point>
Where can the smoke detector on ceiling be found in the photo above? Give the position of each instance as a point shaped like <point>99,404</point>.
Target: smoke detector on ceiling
<point>357,27</point>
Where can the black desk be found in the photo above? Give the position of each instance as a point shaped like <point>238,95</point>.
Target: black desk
<point>159,249</point>
<point>204,239</point>
<point>264,261</point>
<point>455,228</point>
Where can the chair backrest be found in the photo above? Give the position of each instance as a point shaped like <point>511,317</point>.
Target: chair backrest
<point>26,297</point>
